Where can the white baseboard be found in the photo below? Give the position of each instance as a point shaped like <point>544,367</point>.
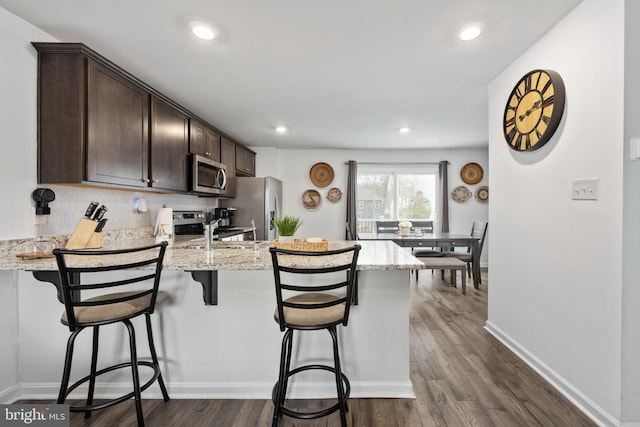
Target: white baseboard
<point>586,405</point>
<point>10,395</point>
<point>318,390</point>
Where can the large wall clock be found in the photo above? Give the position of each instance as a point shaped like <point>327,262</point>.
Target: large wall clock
<point>534,110</point>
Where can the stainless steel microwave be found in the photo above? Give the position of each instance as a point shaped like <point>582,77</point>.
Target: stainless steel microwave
<point>207,176</point>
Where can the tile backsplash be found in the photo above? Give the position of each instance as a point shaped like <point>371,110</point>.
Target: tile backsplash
<point>71,203</point>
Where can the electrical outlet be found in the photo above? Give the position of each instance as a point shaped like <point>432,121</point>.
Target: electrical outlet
<point>39,219</point>
<point>585,189</point>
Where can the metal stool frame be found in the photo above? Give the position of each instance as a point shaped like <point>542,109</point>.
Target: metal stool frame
<point>343,386</point>
<point>69,288</point>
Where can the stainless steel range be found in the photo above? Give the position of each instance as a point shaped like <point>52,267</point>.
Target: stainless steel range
<point>189,222</point>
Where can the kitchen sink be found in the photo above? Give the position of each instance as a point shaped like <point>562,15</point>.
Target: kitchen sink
<point>199,244</point>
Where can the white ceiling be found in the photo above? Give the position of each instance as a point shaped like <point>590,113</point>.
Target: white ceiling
<point>338,73</point>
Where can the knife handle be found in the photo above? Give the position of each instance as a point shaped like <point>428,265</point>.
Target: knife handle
<point>100,213</point>
<point>101,224</point>
<point>91,209</point>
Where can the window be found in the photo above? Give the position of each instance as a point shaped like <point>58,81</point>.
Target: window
<point>395,192</point>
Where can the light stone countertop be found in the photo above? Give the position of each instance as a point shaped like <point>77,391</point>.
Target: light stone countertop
<point>185,254</point>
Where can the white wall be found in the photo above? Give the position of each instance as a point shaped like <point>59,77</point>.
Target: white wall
<point>18,117</point>
<point>328,220</point>
<point>17,172</point>
<point>556,272</point>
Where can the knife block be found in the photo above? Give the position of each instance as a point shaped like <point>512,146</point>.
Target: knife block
<point>84,236</point>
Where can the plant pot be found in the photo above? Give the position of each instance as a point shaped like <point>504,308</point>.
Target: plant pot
<point>285,238</point>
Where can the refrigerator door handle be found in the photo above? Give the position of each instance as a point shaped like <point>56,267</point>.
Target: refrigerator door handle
<point>276,212</point>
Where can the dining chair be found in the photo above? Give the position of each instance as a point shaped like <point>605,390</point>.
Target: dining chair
<point>479,230</point>
<point>387,226</point>
<point>425,227</point>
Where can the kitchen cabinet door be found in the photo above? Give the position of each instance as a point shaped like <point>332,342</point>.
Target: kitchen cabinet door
<point>169,146</point>
<point>228,158</point>
<point>117,129</point>
<point>245,162</point>
<point>203,140</point>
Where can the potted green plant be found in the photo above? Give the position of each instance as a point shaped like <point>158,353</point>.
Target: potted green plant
<point>287,226</point>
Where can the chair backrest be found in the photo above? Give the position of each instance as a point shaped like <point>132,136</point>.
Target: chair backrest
<point>479,230</point>
<point>143,266</point>
<point>313,272</point>
<point>425,226</point>
<point>387,226</point>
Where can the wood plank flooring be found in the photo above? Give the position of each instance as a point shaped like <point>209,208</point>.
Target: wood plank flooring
<point>462,376</point>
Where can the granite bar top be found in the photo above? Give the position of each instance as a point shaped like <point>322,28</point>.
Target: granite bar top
<point>187,253</point>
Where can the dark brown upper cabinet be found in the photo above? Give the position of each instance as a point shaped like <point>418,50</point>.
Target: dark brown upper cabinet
<point>117,129</point>
<point>100,125</point>
<point>203,140</point>
<point>169,146</point>
<point>93,124</point>
<point>245,162</point>
<point>228,158</point>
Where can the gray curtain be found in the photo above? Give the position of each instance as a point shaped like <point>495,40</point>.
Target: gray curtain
<point>443,176</point>
<point>352,212</point>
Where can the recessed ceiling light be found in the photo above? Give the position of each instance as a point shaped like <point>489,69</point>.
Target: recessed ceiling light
<point>404,130</point>
<point>470,32</point>
<point>202,30</point>
<point>281,129</point>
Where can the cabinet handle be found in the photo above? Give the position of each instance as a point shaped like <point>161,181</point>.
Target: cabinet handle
<point>155,181</point>
<point>207,153</point>
<point>144,180</point>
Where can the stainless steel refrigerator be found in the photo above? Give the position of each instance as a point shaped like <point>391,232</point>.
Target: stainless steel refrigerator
<point>260,200</point>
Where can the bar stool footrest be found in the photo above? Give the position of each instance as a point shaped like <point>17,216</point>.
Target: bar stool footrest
<point>318,414</point>
<point>156,374</point>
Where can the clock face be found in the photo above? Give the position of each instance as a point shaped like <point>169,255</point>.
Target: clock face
<point>534,110</point>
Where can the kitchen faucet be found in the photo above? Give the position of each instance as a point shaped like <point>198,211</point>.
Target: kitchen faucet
<point>208,233</point>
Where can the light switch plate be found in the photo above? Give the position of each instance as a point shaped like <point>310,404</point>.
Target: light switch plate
<point>585,189</point>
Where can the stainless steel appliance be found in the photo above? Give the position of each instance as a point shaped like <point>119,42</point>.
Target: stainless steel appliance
<point>225,215</point>
<point>206,176</point>
<point>188,222</point>
<point>257,199</point>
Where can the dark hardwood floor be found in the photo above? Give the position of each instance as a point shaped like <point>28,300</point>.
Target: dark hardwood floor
<point>461,375</point>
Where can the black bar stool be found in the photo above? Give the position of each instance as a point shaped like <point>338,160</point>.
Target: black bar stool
<point>136,295</point>
<point>309,307</point>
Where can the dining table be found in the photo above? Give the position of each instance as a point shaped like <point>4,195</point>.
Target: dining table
<point>434,240</point>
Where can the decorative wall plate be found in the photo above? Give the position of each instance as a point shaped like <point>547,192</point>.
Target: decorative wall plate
<point>334,195</point>
<point>482,194</point>
<point>461,194</point>
<point>321,174</point>
<point>311,199</point>
<point>471,173</point>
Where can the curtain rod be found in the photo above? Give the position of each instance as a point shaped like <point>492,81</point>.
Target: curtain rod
<point>398,163</point>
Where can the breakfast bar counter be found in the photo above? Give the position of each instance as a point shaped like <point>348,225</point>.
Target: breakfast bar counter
<point>241,255</point>
<point>228,350</point>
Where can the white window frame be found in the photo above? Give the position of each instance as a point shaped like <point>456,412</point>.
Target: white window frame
<point>406,169</point>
